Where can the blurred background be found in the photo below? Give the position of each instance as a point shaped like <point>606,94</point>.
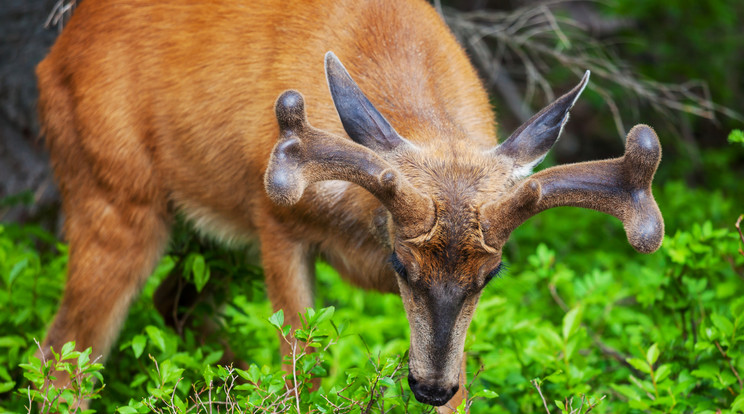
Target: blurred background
<point>677,65</point>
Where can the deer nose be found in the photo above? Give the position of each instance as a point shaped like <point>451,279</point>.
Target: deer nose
<point>433,395</point>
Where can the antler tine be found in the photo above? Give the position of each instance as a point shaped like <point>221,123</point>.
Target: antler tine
<point>305,155</point>
<point>620,187</point>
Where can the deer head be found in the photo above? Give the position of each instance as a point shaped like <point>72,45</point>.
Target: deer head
<point>451,206</point>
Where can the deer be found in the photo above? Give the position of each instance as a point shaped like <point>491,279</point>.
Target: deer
<point>355,132</point>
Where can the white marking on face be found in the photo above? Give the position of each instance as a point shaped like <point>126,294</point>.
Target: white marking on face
<point>525,170</point>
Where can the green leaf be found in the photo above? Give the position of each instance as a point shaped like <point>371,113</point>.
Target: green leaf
<point>488,394</point>
<point>571,347</point>
<point>67,349</point>
<point>213,357</point>
<point>4,374</point>
<point>722,323</point>
<point>736,136</point>
<point>156,336</point>
<point>12,341</point>
<point>571,322</point>
<point>553,377</point>
<point>324,314</point>
<point>68,395</point>
<point>6,386</point>
<point>138,379</point>
<point>388,382</point>
<point>200,271</point>
<point>662,373</point>
<point>737,307</point>
<point>84,357</point>
<point>652,354</point>
<point>639,364</point>
<point>275,387</point>
<point>552,337</point>
<point>138,345</point>
<point>208,374</point>
<point>277,319</point>
<point>16,270</point>
<point>627,391</point>
<point>126,410</point>
<point>709,371</point>
<point>738,404</point>
<point>170,372</point>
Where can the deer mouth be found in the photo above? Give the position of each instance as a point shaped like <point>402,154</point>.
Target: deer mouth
<point>432,395</point>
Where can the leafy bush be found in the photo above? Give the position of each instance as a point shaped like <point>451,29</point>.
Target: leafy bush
<point>32,265</point>
<point>81,372</point>
<point>580,321</point>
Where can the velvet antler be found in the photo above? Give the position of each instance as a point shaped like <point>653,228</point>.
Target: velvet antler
<point>305,155</point>
<point>620,187</point>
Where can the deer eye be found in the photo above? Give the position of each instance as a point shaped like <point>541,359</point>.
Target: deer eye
<point>498,271</point>
<point>398,267</point>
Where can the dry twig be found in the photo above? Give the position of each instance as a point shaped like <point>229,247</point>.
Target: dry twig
<point>531,40</point>
<point>741,236</point>
<point>539,391</point>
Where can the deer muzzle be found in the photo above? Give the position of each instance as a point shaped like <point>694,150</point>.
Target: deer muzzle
<point>439,317</point>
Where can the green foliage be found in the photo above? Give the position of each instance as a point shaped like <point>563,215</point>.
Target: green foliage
<point>736,136</point>
<point>581,317</point>
<point>684,54</point>
<point>85,381</point>
<point>172,388</point>
<point>32,265</point>
<point>581,322</point>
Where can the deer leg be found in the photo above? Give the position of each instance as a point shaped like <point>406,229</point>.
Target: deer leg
<point>114,246</point>
<point>290,275</point>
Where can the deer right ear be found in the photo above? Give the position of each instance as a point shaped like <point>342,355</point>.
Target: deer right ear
<point>361,120</point>
<point>530,143</point>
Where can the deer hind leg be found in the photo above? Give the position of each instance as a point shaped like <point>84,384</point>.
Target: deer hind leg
<point>113,246</point>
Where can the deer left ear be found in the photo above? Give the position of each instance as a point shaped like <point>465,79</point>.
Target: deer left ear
<point>361,120</point>
<point>529,144</point>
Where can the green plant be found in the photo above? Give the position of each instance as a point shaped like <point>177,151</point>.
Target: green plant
<point>579,315</point>
<point>74,365</point>
<point>32,264</point>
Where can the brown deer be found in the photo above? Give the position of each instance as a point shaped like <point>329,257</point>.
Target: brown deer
<point>155,108</point>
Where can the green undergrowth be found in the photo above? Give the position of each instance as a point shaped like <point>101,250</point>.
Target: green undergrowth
<point>580,322</point>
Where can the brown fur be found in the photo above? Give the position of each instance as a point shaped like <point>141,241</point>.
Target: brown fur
<point>152,108</point>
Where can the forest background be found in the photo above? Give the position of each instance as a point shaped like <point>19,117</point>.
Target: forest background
<point>580,322</point>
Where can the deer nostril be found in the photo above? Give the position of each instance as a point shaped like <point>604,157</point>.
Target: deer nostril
<point>432,395</point>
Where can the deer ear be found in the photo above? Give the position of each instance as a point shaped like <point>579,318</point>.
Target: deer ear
<point>361,120</point>
<point>529,144</point>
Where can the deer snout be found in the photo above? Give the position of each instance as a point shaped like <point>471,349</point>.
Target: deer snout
<point>433,394</point>
<point>439,316</point>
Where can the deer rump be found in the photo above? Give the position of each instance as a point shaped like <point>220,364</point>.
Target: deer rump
<point>386,163</point>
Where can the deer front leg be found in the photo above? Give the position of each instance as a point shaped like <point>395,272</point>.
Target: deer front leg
<point>289,272</point>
